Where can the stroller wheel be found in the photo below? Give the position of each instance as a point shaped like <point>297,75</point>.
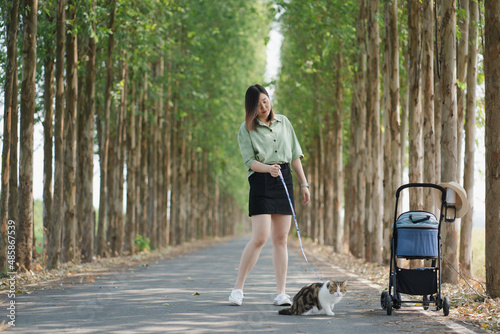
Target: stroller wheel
<point>396,302</point>
<point>426,302</point>
<point>383,299</point>
<point>439,304</point>
<point>446,306</point>
<point>388,305</point>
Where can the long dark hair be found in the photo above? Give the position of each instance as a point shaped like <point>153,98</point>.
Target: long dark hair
<point>252,98</point>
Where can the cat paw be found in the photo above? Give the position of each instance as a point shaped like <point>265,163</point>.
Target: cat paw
<point>331,314</point>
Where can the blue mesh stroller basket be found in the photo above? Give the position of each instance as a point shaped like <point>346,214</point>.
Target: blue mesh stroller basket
<point>417,235</point>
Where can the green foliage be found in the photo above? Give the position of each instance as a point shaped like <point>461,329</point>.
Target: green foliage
<point>213,51</point>
<point>142,243</point>
<point>315,34</point>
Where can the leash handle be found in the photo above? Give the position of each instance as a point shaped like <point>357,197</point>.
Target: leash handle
<point>296,224</point>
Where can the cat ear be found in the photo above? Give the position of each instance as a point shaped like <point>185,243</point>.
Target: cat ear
<point>344,282</point>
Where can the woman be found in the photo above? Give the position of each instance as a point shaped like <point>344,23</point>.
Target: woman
<point>268,145</point>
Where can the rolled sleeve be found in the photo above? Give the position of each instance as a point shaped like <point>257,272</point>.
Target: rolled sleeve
<point>246,147</point>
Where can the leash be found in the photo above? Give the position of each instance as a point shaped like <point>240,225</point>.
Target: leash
<point>296,224</point>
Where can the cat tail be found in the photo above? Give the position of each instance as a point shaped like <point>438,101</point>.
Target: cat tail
<point>286,311</point>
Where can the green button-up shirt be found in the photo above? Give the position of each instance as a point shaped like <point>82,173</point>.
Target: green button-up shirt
<point>274,144</point>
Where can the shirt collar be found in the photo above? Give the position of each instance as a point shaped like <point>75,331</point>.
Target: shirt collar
<point>276,119</point>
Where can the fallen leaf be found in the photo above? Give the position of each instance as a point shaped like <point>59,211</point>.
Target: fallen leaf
<point>196,294</point>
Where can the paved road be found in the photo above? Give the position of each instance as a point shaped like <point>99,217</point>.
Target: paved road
<point>189,294</point>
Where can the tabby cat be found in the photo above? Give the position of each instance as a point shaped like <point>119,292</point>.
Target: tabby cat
<point>317,298</point>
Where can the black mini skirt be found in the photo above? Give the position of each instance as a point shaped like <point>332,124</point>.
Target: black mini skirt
<point>267,194</point>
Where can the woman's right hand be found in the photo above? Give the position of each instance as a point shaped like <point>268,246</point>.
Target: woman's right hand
<point>274,170</point>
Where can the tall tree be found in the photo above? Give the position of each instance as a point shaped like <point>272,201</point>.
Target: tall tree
<point>25,231</point>
<point>462,55</point>
<point>132,160</point>
<point>116,223</point>
<point>14,149</point>
<point>438,92</point>
<point>54,244</point>
<point>10,94</point>
<point>449,162</point>
<point>465,258</point>
<point>338,170</point>
<point>429,168</point>
<point>48,126</point>
<point>357,231</point>
<point>415,150</point>
<point>104,142</point>
<point>374,191</point>
<point>394,119</point>
<point>69,188</point>
<point>86,147</point>
<point>492,142</point>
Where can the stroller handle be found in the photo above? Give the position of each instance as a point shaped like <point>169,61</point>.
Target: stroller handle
<point>423,185</point>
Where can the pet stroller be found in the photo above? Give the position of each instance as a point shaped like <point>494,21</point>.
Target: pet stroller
<point>416,235</point>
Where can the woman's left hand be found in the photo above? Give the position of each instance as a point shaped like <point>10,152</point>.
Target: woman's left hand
<point>306,195</point>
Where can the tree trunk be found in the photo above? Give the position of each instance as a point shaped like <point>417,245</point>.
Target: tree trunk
<point>394,120</point>
<point>167,163</point>
<point>449,162</point>
<point>338,173</point>
<point>87,151</point>
<point>462,55</point>
<point>160,185</point>
<point>465,257</point>
<point>373,112</point>
<point>14,151</point>
<point>10,95</point>
<point>350,188</point>
<point>69,231</point>
<point>138,170</point>
<point>143,221</point>
<point>54,244</point>
<point>492,141</point>
<point>117,241</point>
<point>103,193</point>
<point>152,171</point>
<point>205,193</point>
<point>131,175</point>
<point>438,93</point>
<point>182,216</point>
<point>174,195</point>
<point>415,151</point>
<point>329,176</point>
<point>428,105</point>
<point>110,197</point>
<point>13,208</point>
<point>386,138</point>
<point>24,232</point>
<point>319,170</point>
<point>358,230</point>
<point>48,134</point>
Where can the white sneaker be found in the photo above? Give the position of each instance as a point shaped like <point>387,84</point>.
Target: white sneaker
<point>236,297</point>
<point>282,300</point>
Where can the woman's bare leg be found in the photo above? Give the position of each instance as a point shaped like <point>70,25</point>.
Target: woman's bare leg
<point>281,228</point>
<point>261,228</point>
